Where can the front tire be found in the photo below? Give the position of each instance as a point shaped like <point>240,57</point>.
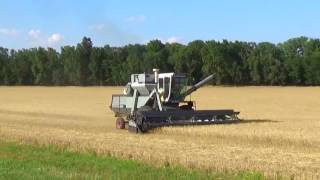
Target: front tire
<point>120,123</point>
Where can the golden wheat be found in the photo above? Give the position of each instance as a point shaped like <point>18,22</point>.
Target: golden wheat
<point>279,135</point>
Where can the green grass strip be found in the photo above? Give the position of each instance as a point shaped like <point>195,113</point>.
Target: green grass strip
<point>20,161</point>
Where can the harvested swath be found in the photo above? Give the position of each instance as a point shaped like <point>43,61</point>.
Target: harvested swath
<point>279,135</point>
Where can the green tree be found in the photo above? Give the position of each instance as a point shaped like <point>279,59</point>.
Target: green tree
<point>293,62</point>
<point>117,66</point>
<point>156,56</point>
<point>41,67</point>
<point>83,55</point>
<point>193,60</point>
<point>294,54</point>
<point>176,57</point>
<point>95,66</point>
<point>22,62</point>
<point>107,65</point>
<point>313,69</point>
<point>227,60</point>
<point>4,59</point>
<point>134,60</point>
<point>266,65</point>
<point>70,64</point>
<point>56,66</point>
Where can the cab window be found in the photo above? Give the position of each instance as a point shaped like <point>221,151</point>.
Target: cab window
<point>160,82</point>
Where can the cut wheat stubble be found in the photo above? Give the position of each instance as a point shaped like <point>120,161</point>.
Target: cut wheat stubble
<point>279,135</point>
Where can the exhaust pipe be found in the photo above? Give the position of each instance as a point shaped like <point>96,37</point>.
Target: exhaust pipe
<point>156,75</point>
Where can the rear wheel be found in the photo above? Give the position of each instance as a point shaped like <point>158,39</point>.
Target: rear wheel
<point>120,123</point>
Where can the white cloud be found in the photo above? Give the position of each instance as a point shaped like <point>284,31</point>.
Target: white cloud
<point>55,38</point>
<point>169,40</point>
<point>8,31</point>
<point>97,27</point>
<point>34,34</point>
<point>138,19</point>
<point>173,39</point>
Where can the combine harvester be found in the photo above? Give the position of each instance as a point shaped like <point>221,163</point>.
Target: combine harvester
<point>155,100</point>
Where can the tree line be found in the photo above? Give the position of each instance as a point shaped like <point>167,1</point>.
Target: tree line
<point>293,62</point>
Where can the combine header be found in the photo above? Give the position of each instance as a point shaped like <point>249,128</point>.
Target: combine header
<point>156,100</point>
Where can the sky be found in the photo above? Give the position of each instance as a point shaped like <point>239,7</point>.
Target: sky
<point>55,23</point>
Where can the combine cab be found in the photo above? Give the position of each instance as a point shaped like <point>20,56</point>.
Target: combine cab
<point>155,100</point>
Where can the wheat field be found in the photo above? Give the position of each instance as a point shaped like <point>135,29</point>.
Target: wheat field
<point>279,134</point>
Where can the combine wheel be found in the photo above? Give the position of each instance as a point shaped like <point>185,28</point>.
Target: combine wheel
<point>120,123</point>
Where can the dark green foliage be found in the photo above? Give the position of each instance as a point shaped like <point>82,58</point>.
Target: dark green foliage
<point>228,61</point>
<point>95,66</point>
<point>313,68</point>
<point>156,56</point>
<point>266,65</point>
<point>294,62</point>
<point>83,55</point>
<point>70,65</point>
<point>4,69</point>
<point>193,61</point>
<point>22,60</point>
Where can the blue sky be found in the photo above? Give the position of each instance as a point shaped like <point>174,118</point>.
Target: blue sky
<point>30,23</point>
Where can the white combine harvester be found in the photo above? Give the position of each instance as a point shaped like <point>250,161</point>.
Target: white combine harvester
<point>156,100</point>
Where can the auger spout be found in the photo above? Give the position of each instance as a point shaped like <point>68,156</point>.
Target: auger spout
<point>198,85</point>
